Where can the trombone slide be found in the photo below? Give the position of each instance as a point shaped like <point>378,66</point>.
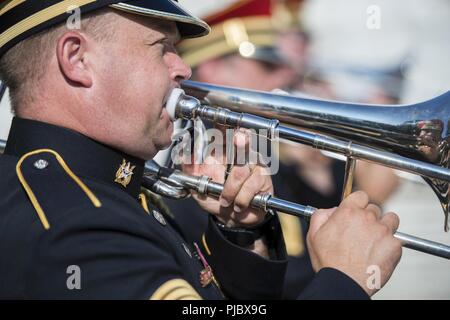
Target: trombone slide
<point>204,185</point>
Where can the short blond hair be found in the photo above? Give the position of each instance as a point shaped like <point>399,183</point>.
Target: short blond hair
<point>22,67</point>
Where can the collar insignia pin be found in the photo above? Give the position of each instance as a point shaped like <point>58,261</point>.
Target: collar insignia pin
<point>124,173</point>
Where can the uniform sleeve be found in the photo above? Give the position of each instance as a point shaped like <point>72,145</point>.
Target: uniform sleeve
<point>94,254</point>
<point>243,274</point>
<point>331,284</point>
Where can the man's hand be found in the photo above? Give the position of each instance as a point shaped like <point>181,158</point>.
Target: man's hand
<point>244,182</point>
<point>352,238</point>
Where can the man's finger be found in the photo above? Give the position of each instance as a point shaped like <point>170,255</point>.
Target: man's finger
<point>241,138</point>
<point>318,219</point>
<point>254,185</point>
<point>375,210</point>
<point>241,143</point>
<point>391,220</point>
<point>358,199</point>
<point>234,183</point>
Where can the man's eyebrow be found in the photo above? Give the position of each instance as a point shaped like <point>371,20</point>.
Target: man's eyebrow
<point>174,39</point>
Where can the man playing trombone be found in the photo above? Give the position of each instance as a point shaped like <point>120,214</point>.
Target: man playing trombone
<point>89,106</point>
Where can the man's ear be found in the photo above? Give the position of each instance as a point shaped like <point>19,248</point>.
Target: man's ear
<point>71,53</point>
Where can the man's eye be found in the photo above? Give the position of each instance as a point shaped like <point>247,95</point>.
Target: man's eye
<point>162,45</point>
<point>166,46</point>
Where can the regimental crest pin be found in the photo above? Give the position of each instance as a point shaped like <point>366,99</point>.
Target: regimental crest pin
<point>124,173</point>
<point>206,275</point>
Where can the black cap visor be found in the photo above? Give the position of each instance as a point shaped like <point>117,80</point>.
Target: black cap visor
<point>188,25</point>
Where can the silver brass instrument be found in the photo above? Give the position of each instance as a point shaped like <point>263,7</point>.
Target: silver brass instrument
<point>414,144</point>
<point>212,97</point>
<point>412,138</point>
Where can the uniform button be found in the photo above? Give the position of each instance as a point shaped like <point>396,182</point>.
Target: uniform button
<point>41,164</point>
<point>185,247</point>
<point>159,217</point>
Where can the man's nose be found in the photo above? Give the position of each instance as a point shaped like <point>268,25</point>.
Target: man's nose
<point>180,70</point>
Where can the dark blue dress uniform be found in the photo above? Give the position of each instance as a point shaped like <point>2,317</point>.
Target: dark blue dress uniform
<point>63,204</point>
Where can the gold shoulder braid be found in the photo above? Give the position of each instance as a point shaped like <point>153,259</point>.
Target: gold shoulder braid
<point>158,202</point>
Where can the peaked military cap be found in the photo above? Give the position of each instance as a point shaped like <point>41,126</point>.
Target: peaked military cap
<point>245,27</point>
<point>20,19</point>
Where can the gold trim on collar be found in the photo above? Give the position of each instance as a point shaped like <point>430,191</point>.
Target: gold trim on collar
<point>144,204</point>
<point>69,172</point>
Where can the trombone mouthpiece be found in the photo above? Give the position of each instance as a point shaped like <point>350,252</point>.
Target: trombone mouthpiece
<point>172,102</point>
<point>181,106</point>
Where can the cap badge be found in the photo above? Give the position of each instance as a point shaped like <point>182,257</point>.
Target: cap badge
<point>124,173</point>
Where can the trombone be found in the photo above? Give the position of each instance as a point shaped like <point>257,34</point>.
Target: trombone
<point>373,139</point>
<point>205,101</point>
<point>413,138</point>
